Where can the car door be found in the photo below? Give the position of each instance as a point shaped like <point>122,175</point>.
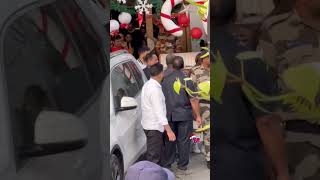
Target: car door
<point>140,141</point>
<point>53,62</point>
<point>124,84</point>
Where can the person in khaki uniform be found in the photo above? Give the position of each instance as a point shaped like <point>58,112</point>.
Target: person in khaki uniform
<point>199,75</point>
<point>288,40</point>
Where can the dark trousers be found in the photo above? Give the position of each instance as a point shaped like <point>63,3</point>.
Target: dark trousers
<point>183,131</point>
<point>154,146</point>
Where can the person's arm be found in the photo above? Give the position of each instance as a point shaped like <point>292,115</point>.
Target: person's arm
<point>268,125</point>
<point>160,112</point>
<point>170,133</point>
<point>271,134</point>
<point>196,110</point>
<point>195,103</point>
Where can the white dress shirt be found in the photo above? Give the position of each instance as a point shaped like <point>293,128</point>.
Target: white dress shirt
<point>141,64</point>
<point>153,106</point>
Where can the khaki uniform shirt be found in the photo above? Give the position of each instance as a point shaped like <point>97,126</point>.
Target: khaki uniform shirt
<point>199,74</point>
<point>286,41</point>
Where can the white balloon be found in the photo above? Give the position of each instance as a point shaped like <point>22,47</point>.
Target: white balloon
<point>124,18</point>
<point>114,25</point>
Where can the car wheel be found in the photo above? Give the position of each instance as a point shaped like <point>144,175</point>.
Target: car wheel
<point>116,168</point>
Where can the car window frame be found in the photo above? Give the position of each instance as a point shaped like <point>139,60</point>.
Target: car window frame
<point>111,87</point>
<point>139,71</point>
<point>8,155</point>
<point>96,92</point>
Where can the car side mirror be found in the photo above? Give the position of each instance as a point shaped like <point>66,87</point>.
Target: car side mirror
<point>127,103</point>
<point>57,132</point>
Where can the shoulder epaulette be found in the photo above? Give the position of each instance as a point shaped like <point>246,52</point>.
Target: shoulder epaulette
<point>276,19</point>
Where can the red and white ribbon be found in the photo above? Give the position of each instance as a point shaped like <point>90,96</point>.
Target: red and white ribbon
<point>166,17</point>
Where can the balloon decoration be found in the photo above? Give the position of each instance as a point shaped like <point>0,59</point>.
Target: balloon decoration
<point>202,11</point>
<point>114,27</point>
<point>183,20</point>
<point>125,19</point>
<point>122,1</point>
<point>196,33</point>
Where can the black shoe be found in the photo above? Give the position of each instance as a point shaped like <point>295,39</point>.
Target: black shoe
<point>208,164</point>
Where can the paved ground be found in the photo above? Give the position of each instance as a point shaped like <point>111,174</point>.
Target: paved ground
<point>199,169</point>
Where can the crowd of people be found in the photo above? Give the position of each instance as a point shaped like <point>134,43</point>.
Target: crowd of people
<point>249,144</point>
<point>168,118</point>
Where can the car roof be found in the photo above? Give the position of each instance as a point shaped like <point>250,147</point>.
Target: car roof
<point>120,56</point>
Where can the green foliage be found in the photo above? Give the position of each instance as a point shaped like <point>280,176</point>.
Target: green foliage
<point>303,82</point>
<point>177,86</point>
<point>157,4</point>
<point>204,128</point>
<point>122,8</point>
<point>203,88</point>
<point>219,78</point>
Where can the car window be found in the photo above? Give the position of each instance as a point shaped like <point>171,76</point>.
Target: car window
<point>123,83</point>
<point>52,62</point>
<point>137,74</point>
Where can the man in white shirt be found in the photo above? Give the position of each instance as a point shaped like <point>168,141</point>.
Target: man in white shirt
<point>150,59</point>
<point>143,51</point>
<point>154,115</point>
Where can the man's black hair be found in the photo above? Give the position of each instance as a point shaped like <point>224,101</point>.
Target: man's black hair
<point>148,57</point>
<point>223,12</point>
<point>178,63</point>
<point>203,43</point>
<point>155,69</point>
<point>143,49</point>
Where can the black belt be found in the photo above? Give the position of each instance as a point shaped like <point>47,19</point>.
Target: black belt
<point>204,101</point>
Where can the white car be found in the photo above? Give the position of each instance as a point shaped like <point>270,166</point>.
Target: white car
<point>127,138</point>
<point>54,90</point>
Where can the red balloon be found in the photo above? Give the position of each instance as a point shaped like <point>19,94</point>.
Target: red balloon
<point>183,20</point>
<point>196,33</point>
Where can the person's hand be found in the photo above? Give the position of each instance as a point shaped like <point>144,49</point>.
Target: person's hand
<point>199,121</point>
<point>171,136</point>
